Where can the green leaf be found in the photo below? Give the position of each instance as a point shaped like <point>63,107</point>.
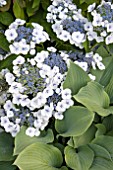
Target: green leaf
<point>22,140</point>
<point>36,3</point>
<point>76,78</point>
<point>6,147</point>
<point>102,159</point>
<point>109,89</point>
<point>86,138</point>
<point>107,74</point>
<point>80,159</point>
<point>6,18</point>
<point>102,51</point>
<point>18,11</point>
<point>105,142</point>
<point>108,123</point>
<point>101,130</point>
<point>76,121</point>
<point>94,98</point>
<point>5,63</point>
<point>45,4</point>
<point>39,156</point>
<point>4,43</point>
<point>7,165</point>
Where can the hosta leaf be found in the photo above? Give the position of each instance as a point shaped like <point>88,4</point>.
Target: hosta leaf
<point>76,121</point>
<point>102,52</point>
<point>94,98</point>
<point>106,142</point>
<point>86,138</point>
<point>101,130</point>
<point>107,74</point>
<point>6,147</point>
<point>7,165</point>
<point>39,156</point>
<point>108,123</point>
<point>102,159</point>
<point>76,78</point>
<point>22,140</point>
<point>80,159</point>
<point>109,89</point>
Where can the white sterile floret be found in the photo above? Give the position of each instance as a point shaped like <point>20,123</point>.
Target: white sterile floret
<point>97,20</point>
<point>20,21</point>
<point>61,106</point>
<point>78,37</point>
<point>48,92</point>
<point>110,27</point>
<point>11,34</point>
<point>100,65</point>
<point>4,121</point>
<point>91,7</point>
<point>52,49</point>
<point>64,35</point>
<point>109,39</point>
<point>58,115</point>
<point>40,57</point>
<point>30,131</point>
<point>97,57</point>
<point>92,77</point>
<point>16,88</point>
<point>66,94</point>
<point>15,130</point>
<point>32,51</point>
<point>91,35</point>
<point>10,114</point>
<point>8,105</point>
<point>9,78</point>
<point>88,26</point>
<point>82,64</point>
<point>47,111</point>
<point>19,60</point>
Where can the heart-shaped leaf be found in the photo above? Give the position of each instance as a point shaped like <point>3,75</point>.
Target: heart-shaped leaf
<point>39,156</point>
<point>76,121</point>
<point>80,159</point>
<point>95,98</point>
<point>76,78</point>
<point>22,140</point>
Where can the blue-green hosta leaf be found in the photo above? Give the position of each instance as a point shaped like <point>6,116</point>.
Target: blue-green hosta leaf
<point>22,140</point>
<point>109,89</point>
<point>7,165</point>
<point>80,159</point>
<point>6,147</point>
<point>76,78</point>
<point>86,138</point>
<point>94,98</point>
<point>102,158</point>
<point>106,142</point>
<point>40,156</point>
<point>108,123</point>
<point>101,130</point>
<point>76,121</point>
<point>107,74</point>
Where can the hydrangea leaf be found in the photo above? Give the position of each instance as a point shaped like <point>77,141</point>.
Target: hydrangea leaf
<point>109,89</point>
<point>6,18</point>
<point>4,43</point>
<point>105,142</point>
<point>95,98</point>
<point>76,78</point>
<point>102,159</point>
<point>18,11</point>
<point>6,147</point>
<point>7,165</point>
<point>76,121</point>
<point>36,3</point>
<point>80,159</point>
<point>45,4</point>
<point>22,140</point>
<point>39,156</point>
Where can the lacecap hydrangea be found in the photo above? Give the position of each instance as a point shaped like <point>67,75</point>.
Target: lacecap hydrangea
<point>69,24</point>
<point>102,21</point>
<point>37,94</point>
<point>24,37</point>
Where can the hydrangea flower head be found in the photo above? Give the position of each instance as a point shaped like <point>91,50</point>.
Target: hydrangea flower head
<point>23,39</point>
<point>68,22</point>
